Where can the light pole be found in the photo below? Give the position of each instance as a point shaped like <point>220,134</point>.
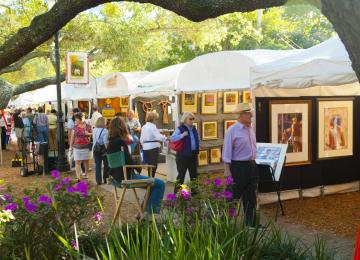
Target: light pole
<point>61,164</point>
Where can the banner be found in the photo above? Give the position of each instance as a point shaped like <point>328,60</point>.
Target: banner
<point>77,68</point>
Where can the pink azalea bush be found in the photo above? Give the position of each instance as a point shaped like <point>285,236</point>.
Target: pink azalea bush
<point>41,217</point>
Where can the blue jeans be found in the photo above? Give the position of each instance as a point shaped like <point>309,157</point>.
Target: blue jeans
<point>135,142</point>
<point>42,134</point>
<point>98,158</point>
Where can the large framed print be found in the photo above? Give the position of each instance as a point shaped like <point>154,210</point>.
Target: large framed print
<point>335,131</point>
<point>246,95</point>
<point>209,103</point>
<point>203,158</point>
<point>230,100</point>
<point>272,155</point>
<point>124,101</point>
<point>209,130</point>
<point>227,124</point>
<point>290,123</point>
<point>189,102</point>
<point>77,68</point>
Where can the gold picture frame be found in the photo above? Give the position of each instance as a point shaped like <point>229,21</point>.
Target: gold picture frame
<point>209,102</point>
<point>246,95</point>
<point>124,101</point>
<point>230,100</point>
<point>215,155</point>
<point>189,102</point>
<point>290,123</point>
<point>209,130</point>
<point>203,158</point>
<point>228,123</point>
<point>335,142</point>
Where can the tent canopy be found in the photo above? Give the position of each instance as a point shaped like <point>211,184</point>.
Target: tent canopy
<point>118,83</point>
<point>160,82</point>
<point>225,70</point>
<point>326,64</point>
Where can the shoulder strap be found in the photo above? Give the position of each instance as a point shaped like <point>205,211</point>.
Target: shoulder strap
<point>100,133</point>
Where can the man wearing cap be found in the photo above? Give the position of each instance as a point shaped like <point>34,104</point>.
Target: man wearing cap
<point>239,153</point>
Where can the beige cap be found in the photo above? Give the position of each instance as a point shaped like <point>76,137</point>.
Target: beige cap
<point>242,107</point>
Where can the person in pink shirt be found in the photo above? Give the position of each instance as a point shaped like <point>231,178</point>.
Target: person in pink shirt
<point>239,153</point>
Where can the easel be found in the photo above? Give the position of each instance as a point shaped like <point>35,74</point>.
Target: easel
<point>268,176</point>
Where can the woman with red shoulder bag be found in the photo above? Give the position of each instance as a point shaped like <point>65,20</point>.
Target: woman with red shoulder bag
<point>186,141</point>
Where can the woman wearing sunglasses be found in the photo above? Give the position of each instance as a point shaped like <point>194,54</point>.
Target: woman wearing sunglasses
<point>186,157</point>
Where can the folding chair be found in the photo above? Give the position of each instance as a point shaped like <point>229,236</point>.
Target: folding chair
<point>116,160</point>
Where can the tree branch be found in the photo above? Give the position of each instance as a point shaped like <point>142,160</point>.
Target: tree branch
<point>44,26</point>
<point>34,85</point>
<point>18,65</point>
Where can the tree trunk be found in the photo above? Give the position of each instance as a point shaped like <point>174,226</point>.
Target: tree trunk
<point>345,17</point>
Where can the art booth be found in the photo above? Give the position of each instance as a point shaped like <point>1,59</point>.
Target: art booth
<point>310,101</point>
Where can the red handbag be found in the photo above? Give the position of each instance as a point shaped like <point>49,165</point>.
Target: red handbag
<point>176,146</point>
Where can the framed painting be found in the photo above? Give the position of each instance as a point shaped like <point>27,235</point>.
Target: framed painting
<point>124,101</point>
<point>215,155</point>
<point>230,100</point>
<point>335,131</point>
<point>246,95</point>
<point>77,68</point>
<point>227,124</point>
<point>272,155</point>
<point>189,102</point>
<point>203,158</point>
<point>290,123</point>
<point>209,130</point>
<point>209,103</point>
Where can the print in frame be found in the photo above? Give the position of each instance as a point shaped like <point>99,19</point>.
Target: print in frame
<point>209,103</point>
<point>203,158</point>
<point>290,123</point>
<point>209,130</point>
<point>189,102</point>
<point>230,100</point>
<point>335,130</point>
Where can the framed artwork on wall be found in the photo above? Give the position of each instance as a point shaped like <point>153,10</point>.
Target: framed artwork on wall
<point>246,96</point>
<point>290,123</point>
<point>215,155</point>
<point>124,101</point>
<point>228,123</point>
<point>335,131</point>
<point>209,130</point>
<point>189,102</point>
<point>230,100</point>
<point>203,158</point>
<point>209,103</point>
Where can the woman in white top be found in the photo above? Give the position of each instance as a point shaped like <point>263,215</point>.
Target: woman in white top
<point>150,140</point>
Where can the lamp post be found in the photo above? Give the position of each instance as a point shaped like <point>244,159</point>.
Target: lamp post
<point>61,164</point>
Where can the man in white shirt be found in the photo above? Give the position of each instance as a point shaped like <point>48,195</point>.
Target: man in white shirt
<point>95,116</point>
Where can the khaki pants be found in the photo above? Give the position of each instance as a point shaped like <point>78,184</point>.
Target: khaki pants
<point>52,140</point>
<point>19,134</point>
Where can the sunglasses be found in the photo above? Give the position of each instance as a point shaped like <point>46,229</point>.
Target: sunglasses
<point>191,118</point>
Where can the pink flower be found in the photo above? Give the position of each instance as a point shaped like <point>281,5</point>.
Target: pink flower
<point>55,174</point>
<point>207,181</point>
<point>217,182</point>
<point>98,216</point>
<point>228,195</point>
<point>26,200</point>
<point>185,194</point>
<point>71,189</point>
<point>217,195</point>
<point>170,196</point>
<point>74,244</point>
<point>6,197</point>
<point>30,207</point>
<point>11,206</point>
<point>57,187</point>
<point>229,180</point>
<point>66,180</point>
<point>82,188</point>
<point>232,212</point>
<point>44,199</point>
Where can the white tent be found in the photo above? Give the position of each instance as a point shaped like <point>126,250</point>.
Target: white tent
<point>160,82</point>
<point>326,64</point>
<point>225,70</point>
<point>118,83</point>
<point>80,92</point>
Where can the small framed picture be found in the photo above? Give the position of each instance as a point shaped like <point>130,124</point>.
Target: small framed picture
<point>124,101</point>
<point>209,103</point>
<point>247,96</point>
<point>77,68</point>
<point>227,124</point>
<point>215,155</point>
<point>189,102</point>
<point>209,130</point>
<point>203,158</point>
<point>230,100</point>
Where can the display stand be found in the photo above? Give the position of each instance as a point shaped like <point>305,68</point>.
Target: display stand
<point>266,175</point>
